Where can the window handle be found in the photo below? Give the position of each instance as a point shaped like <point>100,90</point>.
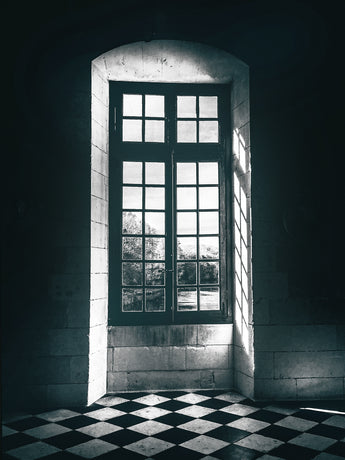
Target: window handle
<point>169,270</point>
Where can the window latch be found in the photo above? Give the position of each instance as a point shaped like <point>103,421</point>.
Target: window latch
<point>169,270</point>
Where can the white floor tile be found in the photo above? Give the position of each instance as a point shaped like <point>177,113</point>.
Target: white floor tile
<point>281,410</point>
<point>47,431</point>
<point>33,451</point>
<point>105,414</point>
<point>230,397</point>
<point>204,444</point>
<point>111,401</point>
<point>296,423</point>
<point>239,409</point>
<point>93,448</point>
<point>192,398</point>
<point>270,457</point>
<point>199,426</point>
<point>150,428</point>
<point>6,431</point>
<point>248,424</point>
<point>326,456</point>
<point>151,400</point>
<point>312,441</point>
<point>58,415</point>
<point>151,412</point>
<point>99,429</point>
<point>149,446</point>
<point>335,420</point>
<point>195,411</point>
<point>259,443</point>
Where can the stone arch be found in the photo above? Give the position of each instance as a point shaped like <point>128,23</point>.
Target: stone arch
<point>168,61</point>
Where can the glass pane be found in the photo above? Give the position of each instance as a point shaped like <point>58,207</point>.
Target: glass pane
<point>187,299</point>
<point>208,173</point>
<point>209,272</point>
<point>132,273</point>
<point>132,197</point>
<point>209,299</point>
<point>132,222</point>
<point>186,223</point>
<point>186,273</point>
<point>186,106</point>
<point>155,274</point>
<point>154,131</point>
<point>208,198</point>
<point>155,299</point>
<point>132,130</point>
<point>186,131</point>
<point>132,300</point>
<point>154,198</point>
<point>208,131</point>
<point>132,172</point>
<point>154,106</point>
<point>132,105</point>
<point>186,247</point>
<point>208,247</point>
<point>155,223</point>
<point>154,173</point>
<point>208,106</point>
<point>132,248</point>
<point>186,198</point>
<point>155,248</point>
<point>185,173</point>
<point>208,222</point>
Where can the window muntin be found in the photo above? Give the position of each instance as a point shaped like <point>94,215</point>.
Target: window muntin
<point>182,247</point>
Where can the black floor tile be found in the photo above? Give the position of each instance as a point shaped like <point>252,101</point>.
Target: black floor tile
<point>228,434</point>
<point>16,440</point>
<point>78,422</point>
<point>213,403</point>
<point>176,435</point>
<point>279,432</point>
<point>174,419</point>
<point>328,431</point>
<point>266,416</point>
<point>126,420</point>
<point>290,451</point>
<point>221,417</point>
<point>70,439</point>
<point>120,454</point>
<point>171,394</point>
<point>123,437</point>
<point>236,453</point>
<point>130,396</point>
<point>129,406</point>
<point>337,449</point>
<point>211,393</point>
<point>315,416</point>
<point>178,453</point>
<point>172,405</point>
<point>27,423</point>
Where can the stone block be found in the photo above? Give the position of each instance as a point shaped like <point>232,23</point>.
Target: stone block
<point>79,369</point>
<point>309,364</point>
<point>71,287</point>
<point>96,389</point>
<point>99,112</point>
<point>67,395</point>
<point>98,312</point>
<point>320,388</point>
<point>99,186</point>
<point>117,381</point>
<point>270,285</point>
<point>240,114</point>
<point>99,260</point>
<point>78,314</point>
<point>240,90</point>
<point>244,384</point>
<point>99,235</point>
<point>70,260</point>
<point>214,334</point>
<point>341,337</point>
<point>207,357</point>
<point>98,338</point>
<point>261,311</point>
<point>275,389</point>
<point>223,379</point>
<point>264,258</point>
<point>99,286</point>
<point>98,365</point>
<point>296,338</point>
<point>243,362</point>
<point>264,365</point>
<point>149,358</point>
<point>163,380</point>
<point>99,210</point>
<point>68,342</point>
<point>99,161</point>
<point>99,136</point>
<point>110,359</point>
<point>100,86</point>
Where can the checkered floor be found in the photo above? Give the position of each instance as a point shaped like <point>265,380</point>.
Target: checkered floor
<point>176,425</point>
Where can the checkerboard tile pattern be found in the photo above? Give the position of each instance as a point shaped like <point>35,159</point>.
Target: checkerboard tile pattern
<point>177,425</point>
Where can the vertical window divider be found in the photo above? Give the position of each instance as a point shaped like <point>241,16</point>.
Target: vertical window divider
<point>197,234</point>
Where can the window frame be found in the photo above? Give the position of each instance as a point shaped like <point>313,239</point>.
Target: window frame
<point>184,152</point>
